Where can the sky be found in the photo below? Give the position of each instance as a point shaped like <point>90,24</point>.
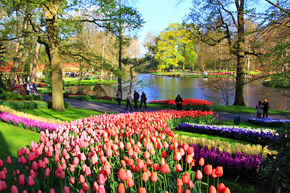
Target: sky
<point>158,14</point>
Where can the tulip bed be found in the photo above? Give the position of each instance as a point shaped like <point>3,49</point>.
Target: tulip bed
<point>268,122</point>
<point>188,104</point>
<point>111,153</point>
<point>27,122</point>
<point>258,136</point>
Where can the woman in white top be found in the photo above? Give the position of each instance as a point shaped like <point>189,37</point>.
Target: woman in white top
<point>129,100</point>
<point>259,108</point>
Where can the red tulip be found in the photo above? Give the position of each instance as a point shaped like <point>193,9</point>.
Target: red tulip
<point>213,175</point>
<point>219,171</point>
<point>34,166</point>
<point>185,178</point>
<point>122,174</point>
<point>188,159</point>
<point>221,187</point>
<point>141,190</point>
<point>130,162</point>
<point>179,182</point>
<point>8,160</point>
<point>179,190</point>
<point>190,184</point>
<point>50,191</point>
<point>30,181</point>
<point>88,171</point>
<point>72,180</point>
<point>85,187</point>
<point>2,175</point>
<point>164,168</point>
<point>14,189</point>
<point>198,174</point>
<point>148,163</point>
<point>212,189</point>
<point>162,161</point>
<point>178,168</point>
<point>208,169</point>
<point>102,179</point>
<point>190,150</point>
<point>121,188</point>
<point>177,156</point>
<point>201,161</point>
<point>82,179</point>
<point>146,155</point>
<point>187,191</point>
<point>226,190</point>
<point>95,186</point>
<point>156,167</point>
<point>154,177</point>
<point>130,182</point>
<point>3,185</point>
<point>21,180</point>
<point>145,177</point>
<point>62,175</point>
<point>46,172</point>
<point>123,163</point>
<point>66,189</point>
<point>164,154</point>
<point>140,163</point>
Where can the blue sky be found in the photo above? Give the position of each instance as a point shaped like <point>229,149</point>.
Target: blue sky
<point>158,14</point>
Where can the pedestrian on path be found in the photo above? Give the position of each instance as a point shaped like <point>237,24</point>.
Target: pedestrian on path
<point>178,101</point>
<point>143,100</point>
<point>119,97</point>
<point>259,108</point>
<point>136,98</point>
<point>128,101</point>
<point>266,107</point>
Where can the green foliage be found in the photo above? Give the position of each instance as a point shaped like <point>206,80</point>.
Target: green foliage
<point>24,104</point>
<point>277,167</point>
<point>174,46</point>
<point>173,123</point>
<point>37,97</point>
<point>192,107</point>
<point>28,97</point>
<point>29,104</point>
<point>8,95</point>
<point>80,97</point>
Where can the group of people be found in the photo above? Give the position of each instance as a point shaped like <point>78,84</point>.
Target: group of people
<point>262,108</point>
<point>136,97</point>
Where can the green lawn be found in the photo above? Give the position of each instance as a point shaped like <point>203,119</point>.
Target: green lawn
<point>69,114</point>
<point>75,81</point>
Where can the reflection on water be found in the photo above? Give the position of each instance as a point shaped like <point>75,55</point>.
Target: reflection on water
<point>161,88</point>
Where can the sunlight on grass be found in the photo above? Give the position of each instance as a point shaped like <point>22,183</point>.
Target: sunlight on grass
<point>69,114</point>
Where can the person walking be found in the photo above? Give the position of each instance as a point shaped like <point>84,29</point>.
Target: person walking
<point>128,101</point>
<point>143,100</point>
<point>259,108</point>
<point>136,98</point>
<point>178,101</point>
<point>119,97</point>
<point>266,107</point>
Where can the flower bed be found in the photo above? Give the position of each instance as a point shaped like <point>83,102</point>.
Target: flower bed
<point>108,153</point>
<point>27,123</point>
<point>267,122</point>
<point>258,136</point>
<point>226,146</point>
<point>188,104</point>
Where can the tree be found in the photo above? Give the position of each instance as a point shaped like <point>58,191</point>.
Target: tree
<point>124,18</point>
<point>228,18</point>
<point>173,47</point>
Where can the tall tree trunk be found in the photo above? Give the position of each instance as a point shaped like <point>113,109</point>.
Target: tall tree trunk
<point>17,59</point>
<point>101,74</point>
<point>120,48</point>
<point>50,12</point>
<point>239,95</point>
<point>33,73</point>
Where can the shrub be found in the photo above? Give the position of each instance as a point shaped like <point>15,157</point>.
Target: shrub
<point>277,167</point>
<point>30,104</point>
<point>108,98</point>
<point>28,97</point>
<point>37,97</point>
<point>65,95</point>
<point>8,95</point>
<point>80,97</point>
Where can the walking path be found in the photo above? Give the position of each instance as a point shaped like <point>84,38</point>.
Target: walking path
<point>116,109</point>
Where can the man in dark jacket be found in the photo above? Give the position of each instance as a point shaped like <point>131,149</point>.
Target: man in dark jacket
<point>178,101</point>
<point>266,106</point>
<point>136,98</point>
